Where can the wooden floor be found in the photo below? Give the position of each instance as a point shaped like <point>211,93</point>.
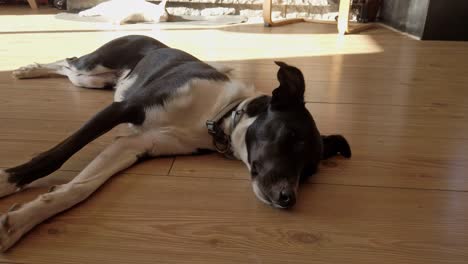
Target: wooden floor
<point>402,198</point>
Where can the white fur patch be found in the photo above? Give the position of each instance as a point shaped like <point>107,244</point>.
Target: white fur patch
<point>123,84</point>
<point>238,135</point>
<point>98,69</point>
<point>259,193</point>
<point>98,77</point>
<point>238,140</point>
<point>181,121</point>
<point>92,81</point>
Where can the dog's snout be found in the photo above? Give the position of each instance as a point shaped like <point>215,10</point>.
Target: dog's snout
<point>287,198</point>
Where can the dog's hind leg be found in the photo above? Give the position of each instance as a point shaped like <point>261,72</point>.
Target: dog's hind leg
<point>99,69</point>
<point>37,70</point>
<point>335,145</point>
<point>47,162</point>
<point>95,77</point>
<point>118,156</point>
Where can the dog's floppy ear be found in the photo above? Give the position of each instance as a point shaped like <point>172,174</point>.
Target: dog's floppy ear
<point>291,89</point>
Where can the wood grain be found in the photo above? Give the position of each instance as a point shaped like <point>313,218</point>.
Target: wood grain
<point>188,220</point>
<point>377,161</point>
<point>402,198</point>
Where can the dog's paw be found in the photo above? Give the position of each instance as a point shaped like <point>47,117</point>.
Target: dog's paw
<point>29,71</point>
<point>6,187</point>
<point>12,227</point>
<point>5,241</point>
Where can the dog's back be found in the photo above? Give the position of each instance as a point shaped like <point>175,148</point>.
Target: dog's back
<point>178,93</point>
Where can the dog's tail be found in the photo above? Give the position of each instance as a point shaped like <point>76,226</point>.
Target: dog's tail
<point>335,145</point>
<point>51,160</point>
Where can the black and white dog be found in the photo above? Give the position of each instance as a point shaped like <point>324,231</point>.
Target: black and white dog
<point>176,104</point>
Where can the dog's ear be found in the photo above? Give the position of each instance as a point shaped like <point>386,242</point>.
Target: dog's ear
<point>291,89</point>
<point>335,145</point>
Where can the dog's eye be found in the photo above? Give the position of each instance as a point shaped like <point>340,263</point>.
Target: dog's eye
<point>292,134</point>
<point>254,168</point>
<point>299,146</point>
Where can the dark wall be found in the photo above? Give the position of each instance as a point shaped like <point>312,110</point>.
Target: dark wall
<point>406,15</point>
<point>447,20</point>
<point>428,19</point>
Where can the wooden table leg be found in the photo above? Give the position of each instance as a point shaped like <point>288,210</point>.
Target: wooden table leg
<point>343,18</point>
<point>32,4</point>
<point>268,21</point>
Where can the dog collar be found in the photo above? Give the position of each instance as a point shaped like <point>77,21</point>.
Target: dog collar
<point>221,141</point>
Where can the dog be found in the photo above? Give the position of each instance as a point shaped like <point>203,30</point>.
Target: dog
<point>175,104</point>
<point>123,11</point>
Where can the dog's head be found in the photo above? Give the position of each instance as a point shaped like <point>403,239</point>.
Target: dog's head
<point>283,143</point>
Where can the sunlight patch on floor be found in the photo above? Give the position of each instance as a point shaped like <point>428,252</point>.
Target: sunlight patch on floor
<point>209,44</point>
<point>42,37</point>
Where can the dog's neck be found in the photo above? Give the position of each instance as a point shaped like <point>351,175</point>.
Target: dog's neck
<point>237,130</point>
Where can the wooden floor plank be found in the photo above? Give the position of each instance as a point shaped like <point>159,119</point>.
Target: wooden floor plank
<point>332,88</point>
<point>386,162</point>
<point>375,92</point>
<point>188,220</point>
<point>438,122</point>
<point>431,121</point>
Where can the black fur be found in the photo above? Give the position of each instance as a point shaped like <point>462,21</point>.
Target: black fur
<point>258,105</point>
<point>51,160</point>
<point>290,93</point>
<point>119,54</point>
<point>284,145</point>
<point>164,70</point>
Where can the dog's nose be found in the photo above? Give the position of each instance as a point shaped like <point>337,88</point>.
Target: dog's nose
<point>287,198</point>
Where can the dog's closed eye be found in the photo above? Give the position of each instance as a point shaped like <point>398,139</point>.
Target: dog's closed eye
<point>299,146</point>
<point>254,168</point>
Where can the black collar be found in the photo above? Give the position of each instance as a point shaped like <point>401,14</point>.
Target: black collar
<point>221,141</point>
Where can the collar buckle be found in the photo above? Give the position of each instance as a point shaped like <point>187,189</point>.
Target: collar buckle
<point>221,141</point>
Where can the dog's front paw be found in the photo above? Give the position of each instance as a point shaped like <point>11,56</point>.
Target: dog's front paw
<point>29,71</point>
<point>12,227</point>
<point>6,187</point>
